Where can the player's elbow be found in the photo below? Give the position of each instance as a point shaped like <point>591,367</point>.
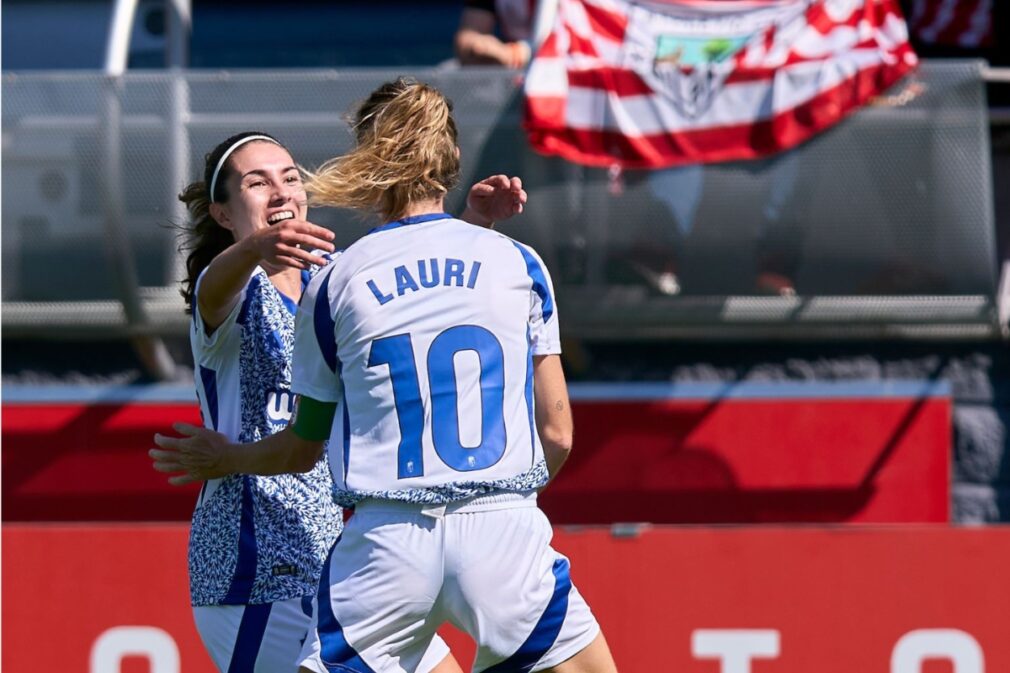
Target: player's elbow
<point>557,441</point>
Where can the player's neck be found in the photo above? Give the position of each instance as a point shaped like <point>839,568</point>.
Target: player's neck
<point>426,207</point>
<point>288,282</point>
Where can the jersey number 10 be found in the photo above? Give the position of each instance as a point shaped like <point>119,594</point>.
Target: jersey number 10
<point>398,353</point>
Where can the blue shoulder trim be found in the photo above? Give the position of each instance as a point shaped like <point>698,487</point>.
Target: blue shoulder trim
<point>324,325</point>
<point>540,285</point>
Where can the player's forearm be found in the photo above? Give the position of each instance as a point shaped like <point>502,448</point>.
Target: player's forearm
<point>557,445</point>
<point>280,453</point>
<point>223,282</point>
<point>552,412</point>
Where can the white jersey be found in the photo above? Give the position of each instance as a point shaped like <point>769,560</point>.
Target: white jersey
<point>427,328</point>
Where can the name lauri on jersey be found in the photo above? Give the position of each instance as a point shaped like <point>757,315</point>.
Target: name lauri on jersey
<point>427,273</point>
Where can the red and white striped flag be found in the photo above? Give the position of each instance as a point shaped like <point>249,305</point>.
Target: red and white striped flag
<point>687,81</point>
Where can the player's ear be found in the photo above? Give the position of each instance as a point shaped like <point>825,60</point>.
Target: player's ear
<point>457,152</point>
<point>221,215</point>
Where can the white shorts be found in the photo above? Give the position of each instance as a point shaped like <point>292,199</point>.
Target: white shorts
<point>255,638</point>
<point>399,571</point>
<point>266,638</point>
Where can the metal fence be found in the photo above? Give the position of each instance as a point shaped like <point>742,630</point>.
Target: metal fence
<point>883,226</point>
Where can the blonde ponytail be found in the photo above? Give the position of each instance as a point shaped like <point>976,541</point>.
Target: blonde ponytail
<point>406,152</point>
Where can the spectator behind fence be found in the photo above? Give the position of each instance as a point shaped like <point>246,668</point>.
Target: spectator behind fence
<point>691,67</point>
<point>477,42</point>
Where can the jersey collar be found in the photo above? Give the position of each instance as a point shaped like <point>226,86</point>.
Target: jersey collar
<point>416,219</point>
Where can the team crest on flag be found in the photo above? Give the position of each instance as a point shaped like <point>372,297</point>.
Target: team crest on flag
<point>685,81</point>
<point>683,58</point>
<point>691,70</point>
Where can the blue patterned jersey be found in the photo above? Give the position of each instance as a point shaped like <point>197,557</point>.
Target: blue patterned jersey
<point>255,539</point>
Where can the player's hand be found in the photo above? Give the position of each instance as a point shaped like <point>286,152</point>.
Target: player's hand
<point>493,199</point>
<point>200,454</point>
<point>287,244</point>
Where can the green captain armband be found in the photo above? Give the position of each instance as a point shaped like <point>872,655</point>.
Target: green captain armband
<point>313,419</point>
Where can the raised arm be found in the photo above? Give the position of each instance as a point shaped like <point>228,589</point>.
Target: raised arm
<point>276,246</point>
<point>553,412</point>
<point>493,199</point>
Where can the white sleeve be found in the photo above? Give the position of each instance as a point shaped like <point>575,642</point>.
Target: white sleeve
<point>543,319</point>
<point>223,333</point>
<point>315,370</point>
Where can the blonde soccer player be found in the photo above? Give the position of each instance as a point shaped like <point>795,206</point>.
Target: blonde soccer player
<point>428,354</point>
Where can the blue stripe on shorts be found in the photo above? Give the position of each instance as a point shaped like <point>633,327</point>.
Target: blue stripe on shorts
<point>334,650</point>
<point>249,638</point>
<point>546,632</point>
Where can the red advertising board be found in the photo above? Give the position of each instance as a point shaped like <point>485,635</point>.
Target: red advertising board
<point>774,452</point>
<point>873,452</point>
<point>113,599</point>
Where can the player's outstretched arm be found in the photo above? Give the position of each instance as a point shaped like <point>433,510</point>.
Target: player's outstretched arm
<point>493,199</point>
<point>553,411</point>
<point>275,246</point>
<point>202,454</point>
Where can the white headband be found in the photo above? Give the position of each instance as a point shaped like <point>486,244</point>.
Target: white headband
<point>228,153</point>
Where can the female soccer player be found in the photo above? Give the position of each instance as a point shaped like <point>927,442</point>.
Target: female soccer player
<point>258,543</point>
<point>439,342</point>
